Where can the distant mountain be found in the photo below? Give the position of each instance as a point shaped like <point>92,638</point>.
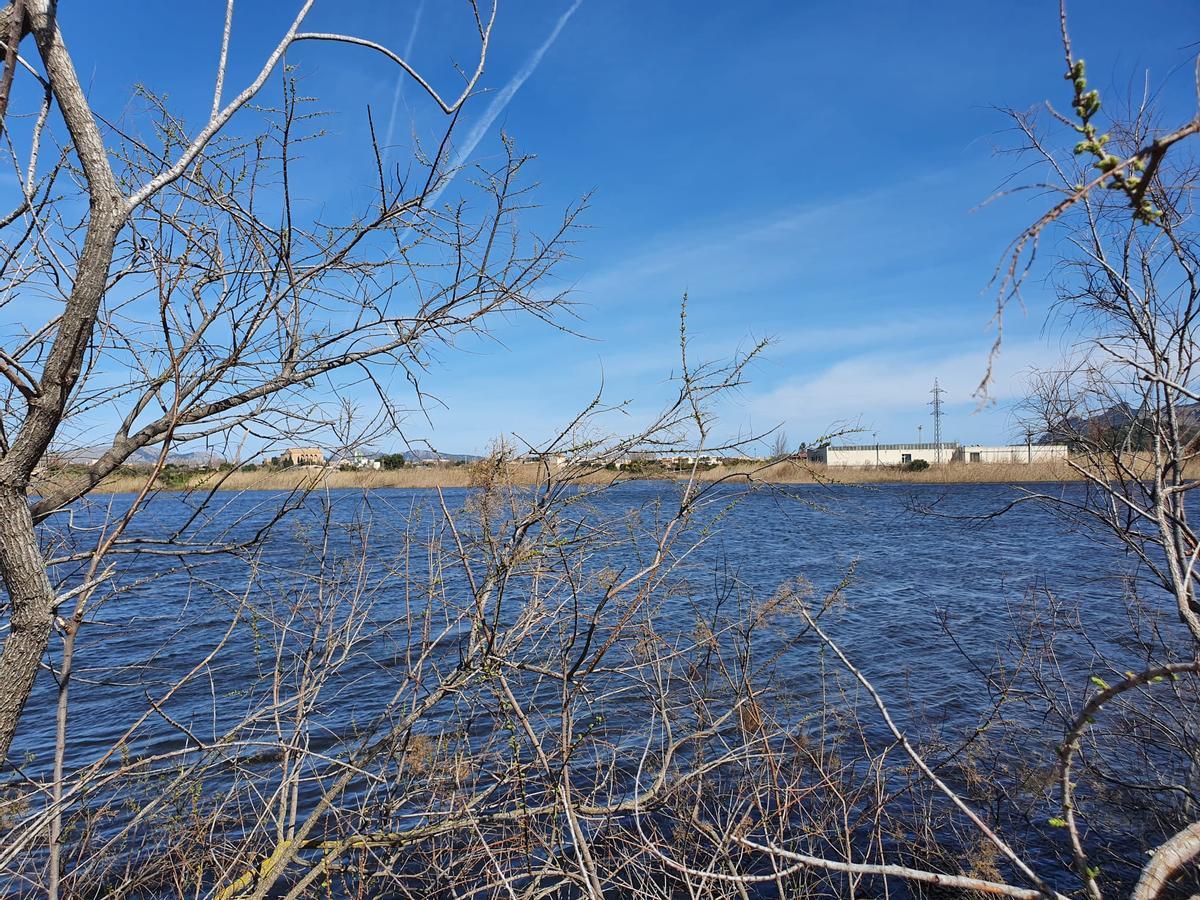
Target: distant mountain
<point>1119,419</point>
<point>1119,415</point>
<point>146,456</point>
<point>425,455</point>
<point>82,456</point>
<point>193,458</point>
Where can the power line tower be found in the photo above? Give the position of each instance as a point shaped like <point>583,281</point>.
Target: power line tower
<point>936,403</point>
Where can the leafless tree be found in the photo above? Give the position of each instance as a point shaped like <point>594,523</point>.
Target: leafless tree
<point>1127,405</point>
<point>780,448</point>
<point>192,302</point>
<point>187,299</point>
<point>509,701</point>
<point>537,706</point>
<point>1123,773</point>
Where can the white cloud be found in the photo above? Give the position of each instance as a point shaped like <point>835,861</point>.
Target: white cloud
<point>800,249</point>
<point>888,392</point>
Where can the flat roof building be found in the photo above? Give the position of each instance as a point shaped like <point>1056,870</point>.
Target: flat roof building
<point>1012,453</point>
<point>952,451</point>
<point>882,454</point>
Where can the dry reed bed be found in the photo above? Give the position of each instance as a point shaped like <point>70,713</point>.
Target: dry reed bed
<point>303,477</point>
<point>1133,465</point>
<point>951,473</point>
<point>465,476</point>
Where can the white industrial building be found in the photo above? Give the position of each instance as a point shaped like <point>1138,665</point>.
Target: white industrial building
<point>952,451</point>
<point>1012,453</point>
<point>882,454</point>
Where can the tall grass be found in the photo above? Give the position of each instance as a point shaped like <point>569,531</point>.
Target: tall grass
<point>310,477</point>
<point>789,472</point>
<point>522,473</point>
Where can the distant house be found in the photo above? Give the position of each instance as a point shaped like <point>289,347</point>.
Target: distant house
<point>645,456</point>
<point>302,456</point>
<point>361,462</point>
<point>1011,453</point>
<point>678,462</point>
<point>551,460</point>
<point>882,454</point>
<point>687,462</point>
<point>432,460</point>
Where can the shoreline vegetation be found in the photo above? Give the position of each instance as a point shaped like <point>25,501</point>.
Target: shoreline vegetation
<point>457,476</point>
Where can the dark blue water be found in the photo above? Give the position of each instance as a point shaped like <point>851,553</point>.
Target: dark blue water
<point>914,550</point>
<point>921,557</point>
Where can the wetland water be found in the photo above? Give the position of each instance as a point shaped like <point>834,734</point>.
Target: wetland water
<point>917,551</point>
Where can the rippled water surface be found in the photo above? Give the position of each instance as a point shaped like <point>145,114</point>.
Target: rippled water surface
<point>918,554</point>
<point>915,550</point>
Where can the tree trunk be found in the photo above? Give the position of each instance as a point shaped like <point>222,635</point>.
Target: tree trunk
<point>31,604</point>
<point>30,593</point>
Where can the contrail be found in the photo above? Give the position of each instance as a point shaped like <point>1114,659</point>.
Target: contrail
<point>408,49</point>
<point>500,101</point>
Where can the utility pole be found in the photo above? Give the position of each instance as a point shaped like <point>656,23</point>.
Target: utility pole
<point>936,403</point>
<point>920,428</point>
<point>875,435</point>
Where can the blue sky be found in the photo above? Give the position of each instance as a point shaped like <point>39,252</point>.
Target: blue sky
<point>807,172</point>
